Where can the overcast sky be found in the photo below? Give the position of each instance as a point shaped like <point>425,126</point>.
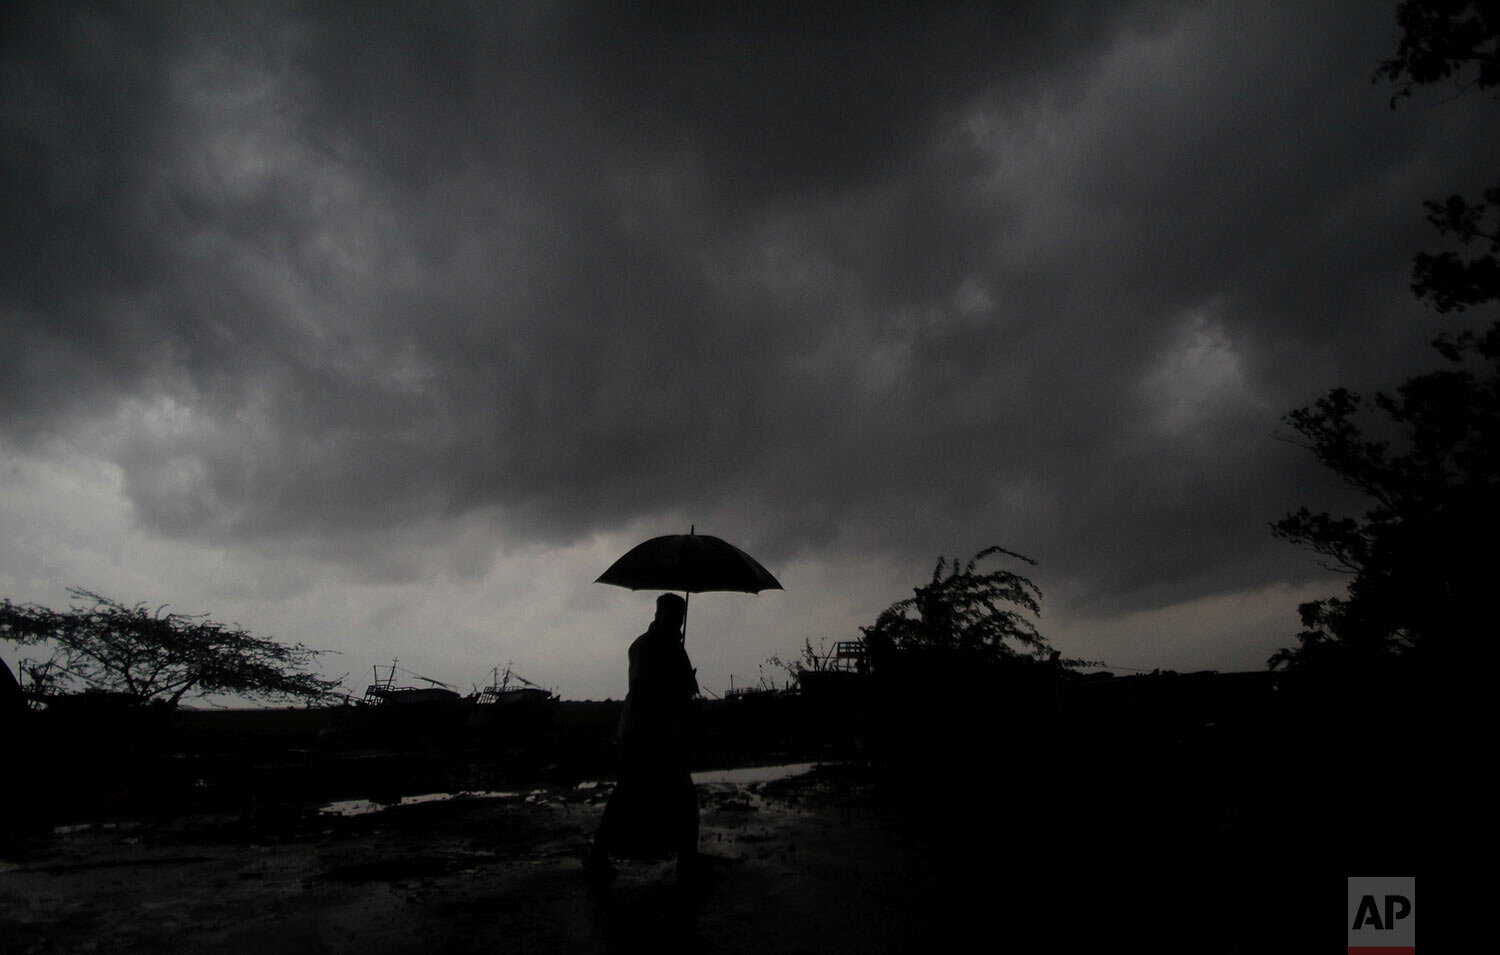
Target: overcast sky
<point>385,328</point>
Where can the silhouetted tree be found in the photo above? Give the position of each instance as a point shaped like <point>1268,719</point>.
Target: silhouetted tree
<point>1430,461</point>
<point>1447,281</point>
<point>1454,41</point>
<point>1434,486</point>
<point>1444,40</point>
<point>158,656</point>
<point>964,612</point>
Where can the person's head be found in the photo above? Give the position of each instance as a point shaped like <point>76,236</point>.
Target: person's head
<point>671,610</point>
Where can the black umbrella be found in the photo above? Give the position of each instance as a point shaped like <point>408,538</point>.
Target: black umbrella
<point>691,562</point>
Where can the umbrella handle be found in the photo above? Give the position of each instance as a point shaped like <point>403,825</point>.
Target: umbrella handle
<point>687,595</point>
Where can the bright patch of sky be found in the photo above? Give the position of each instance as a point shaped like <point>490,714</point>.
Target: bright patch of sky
<point>1198,380</point>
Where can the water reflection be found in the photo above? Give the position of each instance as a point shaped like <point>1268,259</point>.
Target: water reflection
<point>744,776</point>
<point>359,807</point>
<point>751,774</point>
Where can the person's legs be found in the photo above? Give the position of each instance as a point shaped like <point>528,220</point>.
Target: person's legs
<point>685,822</point>
<point>597,866</point>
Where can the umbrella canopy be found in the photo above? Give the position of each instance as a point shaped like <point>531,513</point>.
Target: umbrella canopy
<point>694,563</point>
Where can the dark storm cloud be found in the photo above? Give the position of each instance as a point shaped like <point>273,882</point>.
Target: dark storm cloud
<point>892,280</point>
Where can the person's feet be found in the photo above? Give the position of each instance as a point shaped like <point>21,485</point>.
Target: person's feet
<point>689,869</point>
<point>598,869</point>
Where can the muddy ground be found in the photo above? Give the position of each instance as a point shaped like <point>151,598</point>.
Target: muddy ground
<point>1223,835</point>
<point>837,860</point>
<point>812,864</point>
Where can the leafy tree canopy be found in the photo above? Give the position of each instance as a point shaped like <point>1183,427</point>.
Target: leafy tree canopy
<point>1454,41</point>
<point>1417,580</point>
<point>100,643</point>
<point>1448,281</point>
<point>981,616</point>
<point>1444,40</point>
<point>1430,459</point>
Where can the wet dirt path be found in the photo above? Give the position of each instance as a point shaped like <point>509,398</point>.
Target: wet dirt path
<point>806,864</point>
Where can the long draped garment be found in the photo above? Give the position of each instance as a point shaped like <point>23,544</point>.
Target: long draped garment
<point>653,810</point>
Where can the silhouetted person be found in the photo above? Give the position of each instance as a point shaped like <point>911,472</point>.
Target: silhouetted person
<point>18,800</point>
<point>653,809</point>
<point>12,699</point>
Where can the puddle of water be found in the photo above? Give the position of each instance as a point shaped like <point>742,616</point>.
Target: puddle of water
<point>80,827</point>
<point>360,807</point>
<point>711,777</point>
<point>751,774</point>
